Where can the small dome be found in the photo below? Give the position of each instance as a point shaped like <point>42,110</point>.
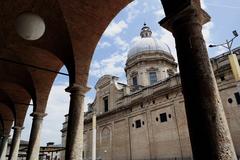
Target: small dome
<point>148,44</point>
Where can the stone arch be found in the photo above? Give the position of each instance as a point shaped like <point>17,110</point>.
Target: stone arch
<point>43,59</point>
<point>7,116</point>
<point>56,38</point>
<point>1,126</point>
<point>15,74</point>
<point>80,30</point>
<point>6,100</point>
<point>20,98</point>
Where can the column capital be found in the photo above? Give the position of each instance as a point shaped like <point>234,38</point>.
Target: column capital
<point>190,13</point>
<point>18,128</point>
<point>38,115</point>
<point>6,136</point>
<point>77,88</point>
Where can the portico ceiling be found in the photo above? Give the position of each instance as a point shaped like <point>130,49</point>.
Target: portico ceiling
<point>72,30</point>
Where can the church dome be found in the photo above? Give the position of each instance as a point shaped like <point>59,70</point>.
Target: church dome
<point>148,44</point>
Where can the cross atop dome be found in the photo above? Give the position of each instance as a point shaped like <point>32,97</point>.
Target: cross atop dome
<point>146,31</point>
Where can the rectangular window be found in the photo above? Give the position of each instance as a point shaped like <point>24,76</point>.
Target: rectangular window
<point>105,101</point>
<point>138,123</point>
<point>135,81</point>
<point>163,117</point>
<point>237,96</point>
<point>152,77</point>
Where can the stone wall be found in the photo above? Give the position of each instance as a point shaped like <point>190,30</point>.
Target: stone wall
<point>151,123</point>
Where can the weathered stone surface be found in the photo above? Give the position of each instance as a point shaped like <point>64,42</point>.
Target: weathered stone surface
<point>208,128</point>
<point>13,155</point>
<point>3,149</point>
<point>73,29</point>
<point>74,144</point>
<point>34,140</point>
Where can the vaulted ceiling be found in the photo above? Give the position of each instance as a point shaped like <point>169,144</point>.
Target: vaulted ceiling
<point>72,30</point>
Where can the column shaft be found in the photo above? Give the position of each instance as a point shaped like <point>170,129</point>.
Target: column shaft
<point>208,128</point>
<point>34,141</point>
<point>13,155</point>
<point>74,145</point>
<point>94,143</point>
<point>3,149</point>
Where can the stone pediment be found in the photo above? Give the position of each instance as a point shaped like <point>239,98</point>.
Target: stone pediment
<point>104,81</point>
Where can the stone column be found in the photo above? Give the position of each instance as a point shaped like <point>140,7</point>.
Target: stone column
<point>13,155</point>
<point>208,128</point>
<point>94,142</point>
<point>74,144</point>
<point>34,141</point>
<point>3,149</point>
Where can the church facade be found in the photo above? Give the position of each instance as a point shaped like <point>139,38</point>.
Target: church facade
<point>145,118</point>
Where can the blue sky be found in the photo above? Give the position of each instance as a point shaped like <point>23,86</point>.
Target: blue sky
<point>111,52</point>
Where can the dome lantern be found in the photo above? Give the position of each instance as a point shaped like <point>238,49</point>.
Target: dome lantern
<point>146,31</point>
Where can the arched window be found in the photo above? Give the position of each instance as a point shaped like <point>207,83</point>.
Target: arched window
<point>152,77</point>
<point>135,81</point>
<point>105,101</point>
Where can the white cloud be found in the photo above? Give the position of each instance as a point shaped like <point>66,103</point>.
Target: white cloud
<point>220,50</point>
<point>104,44</point>
<point>27,125</point>
<point>217,51</point>
<point>132,5</point>
<point>203,5</point>
<point>159,13</point>
<point>167,37</point>
<point>57,107</point>
<point>155,34</point>
<point>113,65</point>
<point>115,28</point>
<point>132,11</point>
<point>87,100</point>
<point>223,6</point>
<point>207,32</point>
<point>145,7</point>
<point>122,45</point>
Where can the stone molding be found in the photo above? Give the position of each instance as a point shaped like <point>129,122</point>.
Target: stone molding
<point>77,89</point>
<point>38,115</point>
<point>6,136</point>
<point>17,128</point>
<point>190,12</point>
